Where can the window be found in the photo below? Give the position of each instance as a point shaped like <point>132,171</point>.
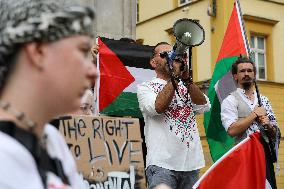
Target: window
<point>181,2</point>
<point>258,56</point>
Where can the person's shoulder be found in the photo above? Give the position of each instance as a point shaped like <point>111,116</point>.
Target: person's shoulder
<point>13,154</point>
<point>229,99</point>
<point>145,83</point>
<point>9,144</point>
<point>18,167</point>
<point>142,84</point>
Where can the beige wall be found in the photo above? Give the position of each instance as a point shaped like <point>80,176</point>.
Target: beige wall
<point>159,15</point>
<point>154,31</point>
<point>152,8</point>
<point>275,12</point>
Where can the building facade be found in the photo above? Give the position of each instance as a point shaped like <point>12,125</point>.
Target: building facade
<point>264,23</point>
<point>114,18</point>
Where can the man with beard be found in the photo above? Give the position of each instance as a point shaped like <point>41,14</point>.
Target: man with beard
<point>240,112</point>
<point>174,151</point>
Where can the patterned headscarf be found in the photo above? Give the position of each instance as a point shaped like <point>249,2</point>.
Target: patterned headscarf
<point>23,21</point>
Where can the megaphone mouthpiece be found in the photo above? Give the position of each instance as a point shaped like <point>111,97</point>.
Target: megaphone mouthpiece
<point>188,32</point>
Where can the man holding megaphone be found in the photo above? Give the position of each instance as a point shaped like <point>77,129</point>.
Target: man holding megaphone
<point>169,103</point>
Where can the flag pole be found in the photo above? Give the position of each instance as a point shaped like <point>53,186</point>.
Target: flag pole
<point>97,85</point>
<point>248,48</point>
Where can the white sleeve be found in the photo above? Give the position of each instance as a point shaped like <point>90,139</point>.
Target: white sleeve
<point>57,147</point>
<point>229,111</point>
<point>146,98</point>
<point>202,108</point>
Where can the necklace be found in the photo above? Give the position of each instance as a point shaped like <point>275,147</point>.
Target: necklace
<point>20,116</point>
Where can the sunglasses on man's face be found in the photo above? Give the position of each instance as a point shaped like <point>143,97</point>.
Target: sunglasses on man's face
<point>179,57</point>
<point>164,54</point>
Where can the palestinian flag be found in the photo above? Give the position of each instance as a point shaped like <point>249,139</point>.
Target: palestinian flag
<point>222,84</point>
<point>122,65</point>
<point>241,167</point>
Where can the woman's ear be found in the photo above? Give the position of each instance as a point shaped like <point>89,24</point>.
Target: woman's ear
<point>35,54</point>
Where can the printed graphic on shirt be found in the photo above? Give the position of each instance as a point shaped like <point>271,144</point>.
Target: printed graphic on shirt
<point>156,87</point>
<point>179,116</point>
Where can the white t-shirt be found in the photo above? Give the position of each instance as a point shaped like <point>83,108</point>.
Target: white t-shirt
<point>172,137</point>
<point>19,170</point>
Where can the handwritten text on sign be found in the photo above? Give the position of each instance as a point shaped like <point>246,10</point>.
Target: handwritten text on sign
<point>103,145</point>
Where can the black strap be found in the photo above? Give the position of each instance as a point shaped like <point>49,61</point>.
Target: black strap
<point>173,79</point>
<point>43,161</point>
<point>270,174</point>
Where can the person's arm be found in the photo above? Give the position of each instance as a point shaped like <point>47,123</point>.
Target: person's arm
<point>242,124</point>
<point>229,116</point>
<point>196,95</point>
<point>165,97</point>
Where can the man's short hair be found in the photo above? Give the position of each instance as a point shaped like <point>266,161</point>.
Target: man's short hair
<point>126,39</point>
<point>154,48</point>
<point>242,59</point>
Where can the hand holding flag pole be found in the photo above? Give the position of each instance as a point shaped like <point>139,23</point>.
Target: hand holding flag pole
<point>263,129</point>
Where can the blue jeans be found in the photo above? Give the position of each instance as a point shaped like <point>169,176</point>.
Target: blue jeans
<point>174,179</point>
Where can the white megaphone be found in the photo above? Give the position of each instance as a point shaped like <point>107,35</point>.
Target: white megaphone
<point>188,33</point>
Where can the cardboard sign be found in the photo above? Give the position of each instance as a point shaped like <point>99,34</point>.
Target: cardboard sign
<point>107,150</point>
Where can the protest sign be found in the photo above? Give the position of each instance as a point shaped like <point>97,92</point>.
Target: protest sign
<point>107,150</point>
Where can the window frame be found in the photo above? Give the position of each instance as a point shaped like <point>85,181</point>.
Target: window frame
<point>186,2</point>
<point>257,51</point>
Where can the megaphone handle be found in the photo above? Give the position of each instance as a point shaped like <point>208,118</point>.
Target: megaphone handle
<point>189,63</point>
<point>172,77</point>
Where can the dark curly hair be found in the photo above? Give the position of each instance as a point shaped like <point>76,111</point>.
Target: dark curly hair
<point>242,59</point>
